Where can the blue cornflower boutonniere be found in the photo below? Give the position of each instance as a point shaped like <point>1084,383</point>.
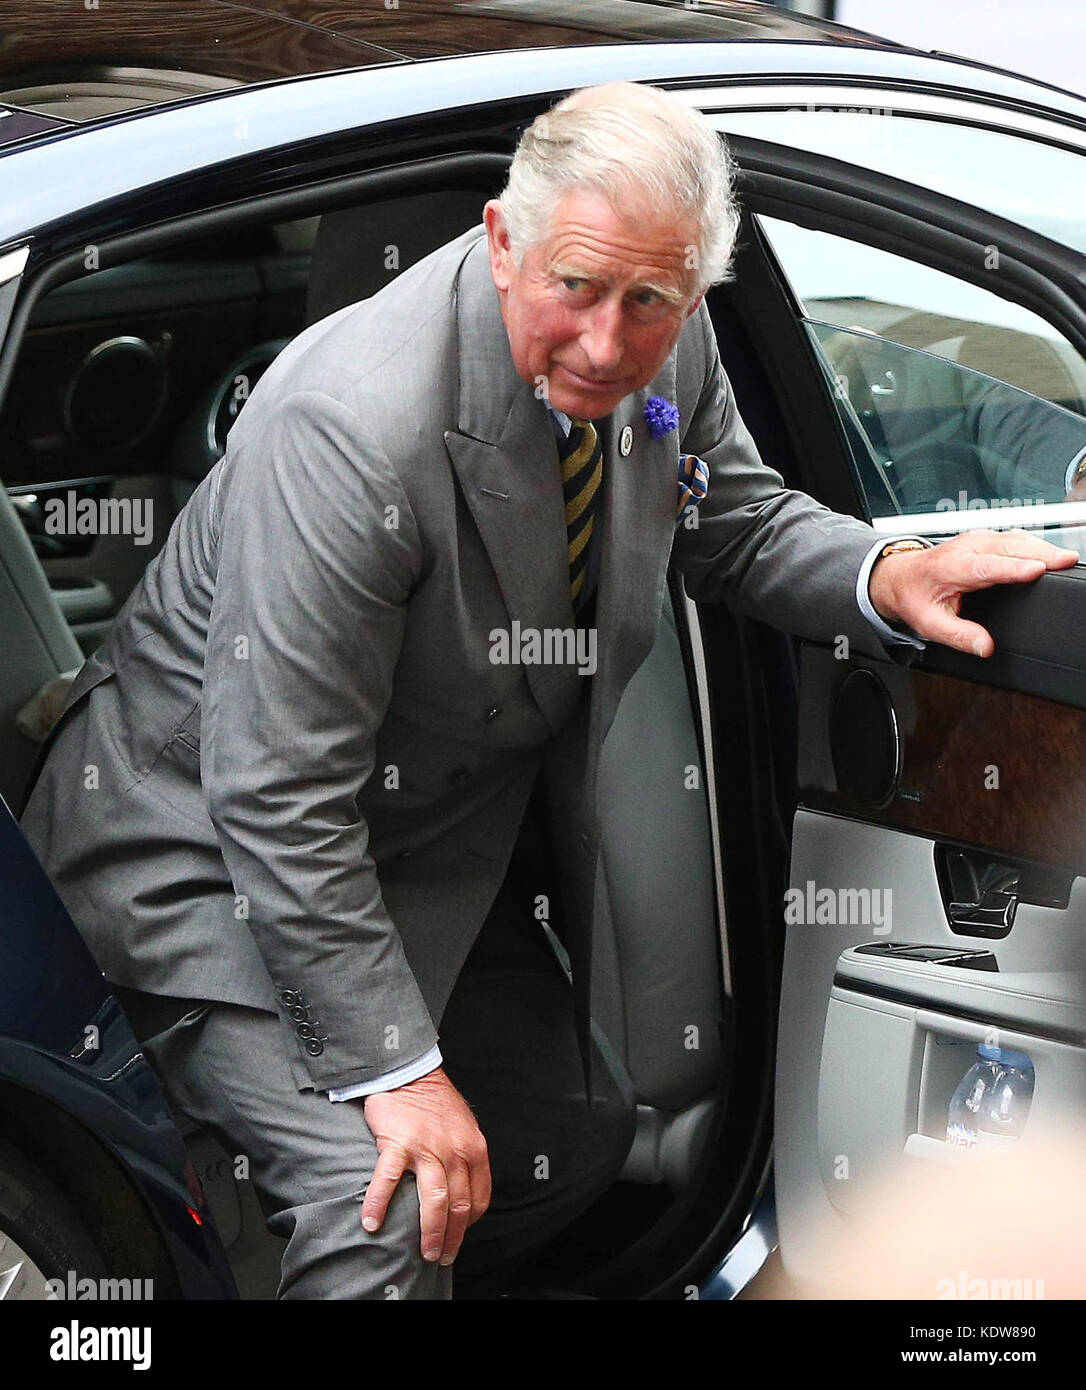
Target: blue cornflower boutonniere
<point>661,416</point>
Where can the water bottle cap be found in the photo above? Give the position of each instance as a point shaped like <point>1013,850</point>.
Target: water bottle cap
<point>1005,1057</point>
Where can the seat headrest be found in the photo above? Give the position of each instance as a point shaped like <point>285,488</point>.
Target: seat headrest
<point>358,251</point>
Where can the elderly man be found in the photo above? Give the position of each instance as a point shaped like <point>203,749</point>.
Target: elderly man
<point>299,859</point>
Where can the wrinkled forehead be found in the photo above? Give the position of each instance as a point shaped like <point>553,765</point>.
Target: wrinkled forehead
<point>587,226</point>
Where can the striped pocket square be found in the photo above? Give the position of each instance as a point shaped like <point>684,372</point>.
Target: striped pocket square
<point>693,483</point>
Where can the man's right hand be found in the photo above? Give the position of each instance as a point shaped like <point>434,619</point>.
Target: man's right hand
<point>427,1127</point>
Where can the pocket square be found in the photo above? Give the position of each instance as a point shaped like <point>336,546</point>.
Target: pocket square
<point>693,483</point>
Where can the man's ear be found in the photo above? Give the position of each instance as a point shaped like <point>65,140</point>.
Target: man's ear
<point>498,245</point>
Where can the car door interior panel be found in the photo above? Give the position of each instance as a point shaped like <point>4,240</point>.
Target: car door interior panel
<point>954,757</point>
<point>885,1010</point>
<point>935,897</point>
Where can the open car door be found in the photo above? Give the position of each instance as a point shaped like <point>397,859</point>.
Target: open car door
<point>936,902</point>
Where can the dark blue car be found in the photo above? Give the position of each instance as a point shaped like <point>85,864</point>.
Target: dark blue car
<point>98,1197</point>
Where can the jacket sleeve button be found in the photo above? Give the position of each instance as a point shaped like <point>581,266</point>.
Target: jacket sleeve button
<point>314,1047</point>
<point>492,713</point>
<point>289,998</point>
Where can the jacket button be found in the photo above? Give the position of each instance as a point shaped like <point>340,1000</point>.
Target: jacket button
<point>299,1013</point>
<point>458,775</point>
<point>305,1030</point>
<point>314,1047</point>
<point>289,997</point>
<point>492,713</point>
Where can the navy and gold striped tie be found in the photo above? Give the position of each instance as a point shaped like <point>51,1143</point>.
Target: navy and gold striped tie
<point>581,455</point>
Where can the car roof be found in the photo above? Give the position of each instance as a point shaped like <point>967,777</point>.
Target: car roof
<point>79,167</point>
<point>63,62</point>
<point>64,49</point>
<point>64,65</point>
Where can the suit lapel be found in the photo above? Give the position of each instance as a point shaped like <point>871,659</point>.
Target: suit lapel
<point>506,459</point>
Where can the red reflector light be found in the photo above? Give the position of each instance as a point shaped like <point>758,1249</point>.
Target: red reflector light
<point>195,1187</point>
<point>195,1215</point>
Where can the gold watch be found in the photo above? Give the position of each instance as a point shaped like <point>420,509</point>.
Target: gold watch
<point>898,547</point>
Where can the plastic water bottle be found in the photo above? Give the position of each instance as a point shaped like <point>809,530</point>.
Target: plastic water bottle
<point>990,1105</point>
<point>1002,1117</point>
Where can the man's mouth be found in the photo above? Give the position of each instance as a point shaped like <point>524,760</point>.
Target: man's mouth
<point>590,383</point>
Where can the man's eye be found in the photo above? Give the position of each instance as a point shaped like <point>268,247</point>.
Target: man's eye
<point>573,284</point>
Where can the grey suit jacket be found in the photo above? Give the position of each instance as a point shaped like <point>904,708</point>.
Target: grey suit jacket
<point>292,776</point>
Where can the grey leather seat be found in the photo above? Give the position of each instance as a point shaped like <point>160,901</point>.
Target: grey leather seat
<point>354,246</point>
<point>656,938</point>
<point>37,645</point>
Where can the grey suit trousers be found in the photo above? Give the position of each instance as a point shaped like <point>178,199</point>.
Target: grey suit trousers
<point>508,1043</point>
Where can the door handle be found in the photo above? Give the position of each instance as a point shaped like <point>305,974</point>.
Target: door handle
<point>995,910</point>
<point>980,892</point>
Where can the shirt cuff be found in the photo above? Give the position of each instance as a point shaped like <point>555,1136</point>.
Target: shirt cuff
<point>410,1071</point>
<point>1071,469</point>
<point>885,633</point>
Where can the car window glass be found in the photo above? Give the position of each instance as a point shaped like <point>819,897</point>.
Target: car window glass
<point>931,436</point>
<point>953,400</point>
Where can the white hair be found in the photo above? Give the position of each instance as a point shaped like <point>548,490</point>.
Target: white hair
<point>635,145</point>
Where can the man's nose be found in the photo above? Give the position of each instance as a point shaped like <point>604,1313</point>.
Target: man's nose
<point>602,337</point>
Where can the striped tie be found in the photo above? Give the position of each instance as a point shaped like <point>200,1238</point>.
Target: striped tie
<point>581,455</point>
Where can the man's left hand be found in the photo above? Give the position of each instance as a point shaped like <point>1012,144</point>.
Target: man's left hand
<point>924,588</point>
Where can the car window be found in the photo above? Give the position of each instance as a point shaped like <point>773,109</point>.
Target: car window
<point>944,438</point>
<point>954,401</point>
<point>1037,185</point>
